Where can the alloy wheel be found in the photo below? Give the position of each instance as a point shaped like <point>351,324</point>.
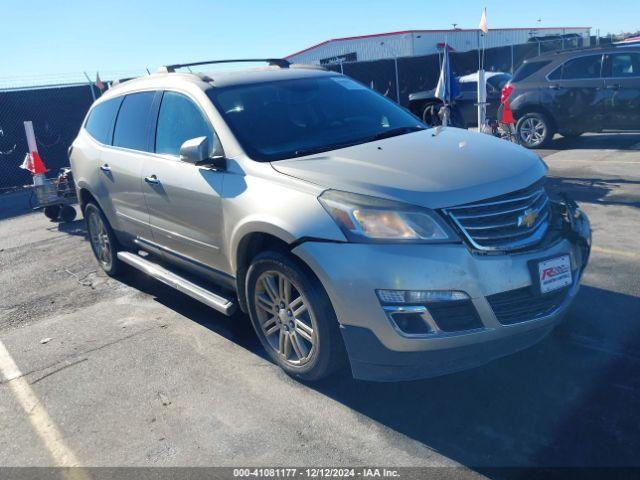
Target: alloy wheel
<point>99,238</point>
<point>533,131</point>
<point>286,320</point>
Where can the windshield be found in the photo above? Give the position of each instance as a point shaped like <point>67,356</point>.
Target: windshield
<point>290,118</point>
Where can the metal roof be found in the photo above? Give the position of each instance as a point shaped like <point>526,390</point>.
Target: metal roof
<point>405,32</point>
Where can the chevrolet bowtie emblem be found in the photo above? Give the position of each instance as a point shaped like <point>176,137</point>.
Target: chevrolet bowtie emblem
<point>528,218</point>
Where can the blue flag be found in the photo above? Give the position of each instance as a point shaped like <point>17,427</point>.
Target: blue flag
<point>447,88</point>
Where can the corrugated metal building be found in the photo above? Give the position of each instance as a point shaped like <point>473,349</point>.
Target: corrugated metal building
<point>412,43</point>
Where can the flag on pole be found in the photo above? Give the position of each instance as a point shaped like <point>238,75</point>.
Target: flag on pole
<point>447,88</point>
<point>99,83</point>
<point>483,21</point>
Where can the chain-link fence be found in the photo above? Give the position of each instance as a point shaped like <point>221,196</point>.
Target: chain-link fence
<point>57,104</point>
<point>397,78</point>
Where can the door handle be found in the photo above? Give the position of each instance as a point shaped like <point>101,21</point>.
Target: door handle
<point>105,167</point>
<point>554,86</point>
<point>614,86</point>
<point>152,179</point>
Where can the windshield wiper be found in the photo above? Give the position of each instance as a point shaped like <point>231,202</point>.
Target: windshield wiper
<point>378,136</point>
<point>323,148</point>
<point>394,132</point>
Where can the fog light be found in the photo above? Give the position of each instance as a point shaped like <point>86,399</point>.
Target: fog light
<point>411,320</point>
<point>419,296</point>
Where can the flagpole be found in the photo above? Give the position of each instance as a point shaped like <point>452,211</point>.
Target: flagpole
<point>482,86</point>
<point>93,94</point>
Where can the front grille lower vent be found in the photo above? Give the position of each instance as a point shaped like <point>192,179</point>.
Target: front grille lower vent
<point>521,305</point>
<point>513,221</point>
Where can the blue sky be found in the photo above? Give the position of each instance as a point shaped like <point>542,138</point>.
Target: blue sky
<point>59,37</point>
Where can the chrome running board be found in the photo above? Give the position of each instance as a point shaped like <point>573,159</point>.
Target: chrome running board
<point>221,304</point>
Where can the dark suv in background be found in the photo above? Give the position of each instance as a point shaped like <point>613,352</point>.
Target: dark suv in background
<point>577,91</point>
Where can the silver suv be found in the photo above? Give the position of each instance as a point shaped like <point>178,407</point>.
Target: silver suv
<point>345,228</point>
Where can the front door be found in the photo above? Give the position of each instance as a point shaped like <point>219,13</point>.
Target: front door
<point>579,95</point>
<point>622,83</point>
<point>183,199</point>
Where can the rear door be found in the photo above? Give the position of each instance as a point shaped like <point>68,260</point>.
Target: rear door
<point>622,82</point>
<point>579,95</point>
<point>183,199</point>
<point>121,164</point>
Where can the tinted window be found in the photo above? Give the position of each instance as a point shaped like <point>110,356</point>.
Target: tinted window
<point>499,81</point>
<point>527,69</point>
<point>287,118</point>
<point>132,125</point>
<point>556,74</point>
<point>624,65</point>
<point>180,120</point>
<point>100,121</point>
<point>468,86</point>
<point>582,67</point>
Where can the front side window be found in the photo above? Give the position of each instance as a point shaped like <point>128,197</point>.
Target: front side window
<point>132,124</point>
<point>582,67</point>
<point>624,65</point>
<point>180,120</point>
<point>100,121</point>
<point>302,116</point>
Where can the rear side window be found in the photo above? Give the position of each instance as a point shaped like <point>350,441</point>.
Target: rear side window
<point>527,69</point>
<point>132,125</point>
<point>498,81</point>
<point>624,65</point>
<point>180,120</point>
<point>100,121</point>
<point>582,67</point>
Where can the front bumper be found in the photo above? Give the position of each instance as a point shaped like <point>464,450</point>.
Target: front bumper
<point>351,273</point>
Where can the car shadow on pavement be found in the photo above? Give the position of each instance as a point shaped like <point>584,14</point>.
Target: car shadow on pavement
<point>617,141</point>
<point>571,400</point>
<point>597,190</point>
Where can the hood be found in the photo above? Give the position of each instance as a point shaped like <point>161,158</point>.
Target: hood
<point>433,168</point>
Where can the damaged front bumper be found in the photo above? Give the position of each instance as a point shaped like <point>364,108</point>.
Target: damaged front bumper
<point>507,313</point>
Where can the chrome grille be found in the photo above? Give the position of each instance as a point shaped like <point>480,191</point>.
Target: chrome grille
<point>501,223</point>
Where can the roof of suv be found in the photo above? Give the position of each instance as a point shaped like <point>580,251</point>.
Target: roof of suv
<point>563,54</point>
<point>220,78</point>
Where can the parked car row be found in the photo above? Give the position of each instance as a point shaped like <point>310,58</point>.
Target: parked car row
<point>568,92</point>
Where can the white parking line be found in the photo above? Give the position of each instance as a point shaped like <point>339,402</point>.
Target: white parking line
<point>40,420</point>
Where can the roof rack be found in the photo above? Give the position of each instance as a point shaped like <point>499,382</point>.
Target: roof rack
<point>277,62</point>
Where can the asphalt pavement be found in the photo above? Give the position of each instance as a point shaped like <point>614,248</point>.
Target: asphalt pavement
<point>105,372</point>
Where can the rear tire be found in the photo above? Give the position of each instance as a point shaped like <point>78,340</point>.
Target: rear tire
<point>293,317</point>
<point>68,213</point>
<point>430,115</point>
<point>103,241</point>
<point>52,212</point>
<point>534,130</point>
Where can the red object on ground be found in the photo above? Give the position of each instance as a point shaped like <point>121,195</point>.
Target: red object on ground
<point>37,164</point>
<point>507,114</point>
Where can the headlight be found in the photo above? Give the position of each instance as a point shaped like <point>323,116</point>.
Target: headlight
<point>370,219</point>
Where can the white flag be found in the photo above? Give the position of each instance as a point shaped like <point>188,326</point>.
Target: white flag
<point>483,21</point>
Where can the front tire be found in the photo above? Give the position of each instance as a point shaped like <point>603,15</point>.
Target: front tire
<point>534,130</point>
<point>293,317</point>
<point>103,241</point>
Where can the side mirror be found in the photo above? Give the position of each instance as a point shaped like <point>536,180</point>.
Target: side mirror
<point>196,151</point>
